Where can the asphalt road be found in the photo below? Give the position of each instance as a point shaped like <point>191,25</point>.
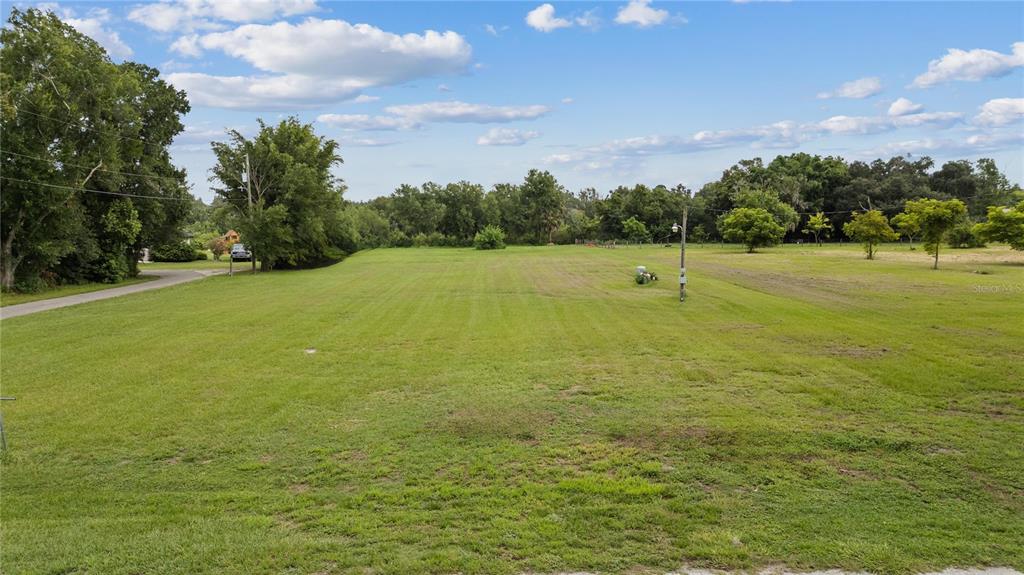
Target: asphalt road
<point>164,278</point>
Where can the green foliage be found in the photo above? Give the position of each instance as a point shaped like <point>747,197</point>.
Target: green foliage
<point>268,235</point>
<point>658,208</point>
<point>176,252</point>
<point>870,228</point>
<point>120,227</point>
<point>542,199</point>
<point>935,218</point>
<point>962,236</point>
<point>54,77</point>
<point>699,234</point>
<point>1005,225</point>
<point>907,225</point>
<point>217,246</point>
<point>489,238</point>
<point>752,227</point>
<point>635,230</point>
<point>818,225</point>
<point>769,201</point>
<point>289,211</point>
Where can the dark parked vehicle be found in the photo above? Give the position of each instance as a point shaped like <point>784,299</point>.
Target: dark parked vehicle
<point>240,254</point>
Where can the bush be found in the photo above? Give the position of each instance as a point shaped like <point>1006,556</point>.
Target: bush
<point>489,238</point>
<point>176,252</point>
<point>963,236</point>
<point>398,239</point>
<point>217,247</point>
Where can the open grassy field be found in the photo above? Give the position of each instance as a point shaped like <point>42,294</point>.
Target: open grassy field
<point>531,410</point>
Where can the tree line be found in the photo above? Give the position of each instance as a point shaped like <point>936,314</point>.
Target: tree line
<point>807,196</point>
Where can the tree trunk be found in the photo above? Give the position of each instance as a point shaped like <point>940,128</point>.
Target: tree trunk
<point>871,251</point>
<point>8,265</point>
<point>935,266</point>
<point>6,272</point>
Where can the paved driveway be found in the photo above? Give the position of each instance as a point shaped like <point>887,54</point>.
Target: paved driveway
<point>164,278</point>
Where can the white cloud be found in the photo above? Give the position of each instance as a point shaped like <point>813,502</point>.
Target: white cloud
<point>494,30</point>
<point>618,154</point>
<point>543,18</point>
<point>567,100</point>
<point>841,125</point>
<point>173,66</point>
<point>856,89</point>
<point>93,24</point>
<point>187,46</point>
<point>589,19</point>
<point>463,112</point>
<point>639,13</point>
<point>1000,111</point>
<point>193,134</point>
<point>413,116</point>
<point>974,144</point>
<point>189,15</point>
<point>366,122</point>
<point>505,137</point>
<point>264,92</point>
<point>319,61</point>
<point>337,48</point>
<point>444,88</point>
<point>970,66</point>
<point>366,142</point>
<point>365,99</point>
<point>903,106</point>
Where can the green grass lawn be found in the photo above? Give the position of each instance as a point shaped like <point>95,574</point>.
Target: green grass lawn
<point>531,410</point>
<point>61,291</point>
<point>194,265</point>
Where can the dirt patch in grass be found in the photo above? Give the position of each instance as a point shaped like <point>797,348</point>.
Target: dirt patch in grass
<point>470,423</point>
<point>856,351</point>
<point>813,289</point>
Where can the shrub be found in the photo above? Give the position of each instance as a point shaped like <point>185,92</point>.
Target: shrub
<point>963,236</point>
<point>398,239</point>
<point>176,252</point>
<point>489,238</point>
<point>1004,224</point>
<point>217,247</point>
<point>420,240</point>
<point>435,239</point>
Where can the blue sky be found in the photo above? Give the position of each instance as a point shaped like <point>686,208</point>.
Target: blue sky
<point>599,93</point>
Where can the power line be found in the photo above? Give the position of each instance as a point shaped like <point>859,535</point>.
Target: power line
<point>148,176</point>
<point>21,109</point>
<point>73,189</point>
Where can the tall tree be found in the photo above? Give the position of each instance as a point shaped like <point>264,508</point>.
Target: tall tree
<point>542,199</point>
<point>74,124</point>
<point>285,199</point>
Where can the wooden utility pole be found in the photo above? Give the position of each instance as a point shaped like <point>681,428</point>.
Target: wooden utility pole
<point>682,258</point>
<point>248,190</point>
